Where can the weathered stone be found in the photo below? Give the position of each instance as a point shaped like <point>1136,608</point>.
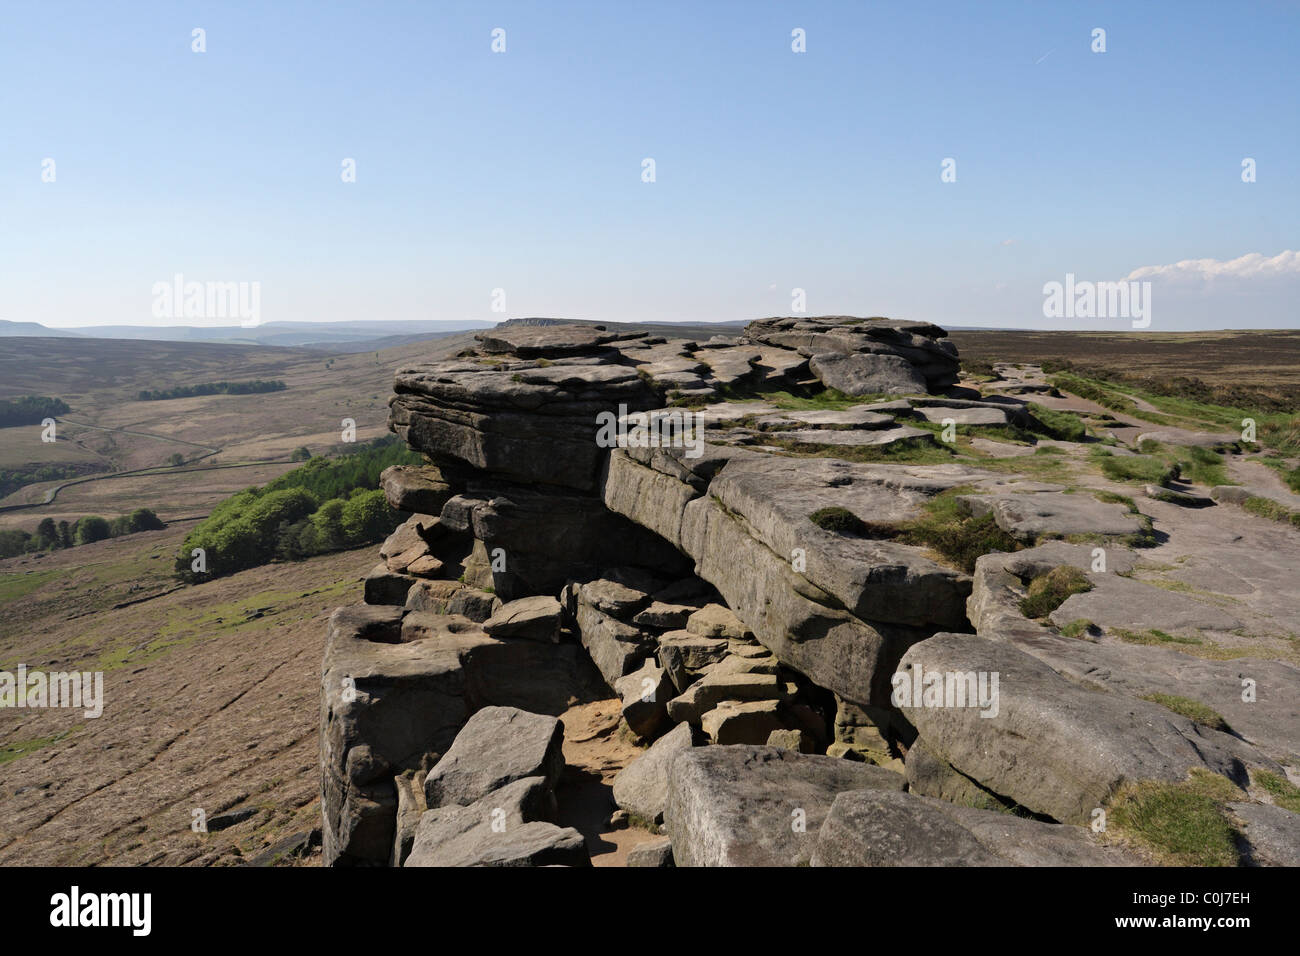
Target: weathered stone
<point>536,618</point>
<point>1048,744</point>
<point>613,598</point>
<point>891,828</point>
<point>383,586</point>
<point>684,655</point>
<point>867,374</point>
<point>410,807</point>
<point>1271,833</point>
<point>714,688</point>
<point>645,694</point>
<point>415,488</point>
<point>1124,602</point>
<point>750,722</point>
<point>641,787</point>
<point>733,806</point>
<point>1032,516</point>
<point>497,746</point>
<point>664,616</point>
<point>795,740</point>
<point>655,853</point>
<point>472,603</point>
<point>714,620</point>
<point>386,707</point>
<point>434,596</point>
<point>507,827</point>
<point>616,648</point>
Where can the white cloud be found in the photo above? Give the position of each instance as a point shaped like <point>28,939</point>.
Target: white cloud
<point>1253,265</point>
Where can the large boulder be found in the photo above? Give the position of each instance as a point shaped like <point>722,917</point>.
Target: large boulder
<point>890,828</point>
<point>497,746</point>
<point>510,826</point>
<point>641,788</point>
<point>757,805</point>
<point>1053,746</point>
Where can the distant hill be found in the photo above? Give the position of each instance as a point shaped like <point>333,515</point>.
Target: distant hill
<point>33,328</point>
<point>324,335</point>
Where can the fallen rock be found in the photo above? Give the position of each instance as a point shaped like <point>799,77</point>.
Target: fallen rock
<point>645,694</point>
<point>641,788</point>
<point>415,488</point>
<point>655,853</point>
<point>867,374</point>
<point>497,746</point>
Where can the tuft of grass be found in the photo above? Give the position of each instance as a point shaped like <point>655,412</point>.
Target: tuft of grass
<point>838,520</point>
<point>1063,426</point>
<point>1273,510</point>
<point>1078,627</point>
<point>948,528</point>
<point>1183,824</point>
<point>1049,591</point>
<point>1111,498</point>
<point>1142,469</point>
<point>1048,450</point>
<point>1193,710</point>
<point>921,450</point>
<point>1153,636</point>
<point>1284,793</point>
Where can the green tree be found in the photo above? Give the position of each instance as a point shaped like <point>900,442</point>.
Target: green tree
<point>301,453</point>
<point>367,517</point>
<point>175,459</point>
<point>92,528</point>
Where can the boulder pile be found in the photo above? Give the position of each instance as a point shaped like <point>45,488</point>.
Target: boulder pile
<point>748,598</point>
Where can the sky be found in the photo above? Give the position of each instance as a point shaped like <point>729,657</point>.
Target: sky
<point>491,185</point>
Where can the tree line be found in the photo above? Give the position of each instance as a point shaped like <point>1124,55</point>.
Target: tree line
<point>327,504</point>
<point>30,410</point>
<point>51,536</point>
<point>212,388</point>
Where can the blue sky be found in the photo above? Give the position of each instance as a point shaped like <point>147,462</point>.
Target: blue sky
<point>775,170</point>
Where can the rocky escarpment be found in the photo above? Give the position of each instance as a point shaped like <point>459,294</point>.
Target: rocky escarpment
<point>717,534</point>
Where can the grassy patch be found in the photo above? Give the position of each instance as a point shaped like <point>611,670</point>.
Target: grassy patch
<point>1183,824</point>
<point>15,586</point>
<point>11,752</point>
<point>1193,710</point>
<point>921,450</point>
<point>1093,391</point>
<point>1143,469</point>
<point>838,520</point>
<point>1078,627</point>
<point>949,528</point>
<point>1273,510</point>
<point>1049,591</point>
<point>1064,426</point>
<point>1284,793</point>
<point>1152,636</point>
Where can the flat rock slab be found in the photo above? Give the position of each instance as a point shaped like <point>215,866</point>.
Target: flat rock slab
<point>1180,436</point>
<point>417,488</point>
<point>1031,516</point>
<point>1051,745</point>
<point>734,806</point>
<point>856,417</point>
<point>1270,721</point>
<point>859,437</point>
<point>537,618</point>
<point>963,415</point>
<point>1129,603</point>
<point>1174,497</point>
<point>497,746</point>
<point>889,828</point>
<point>1272,833</point>
<point>1001,449</point>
